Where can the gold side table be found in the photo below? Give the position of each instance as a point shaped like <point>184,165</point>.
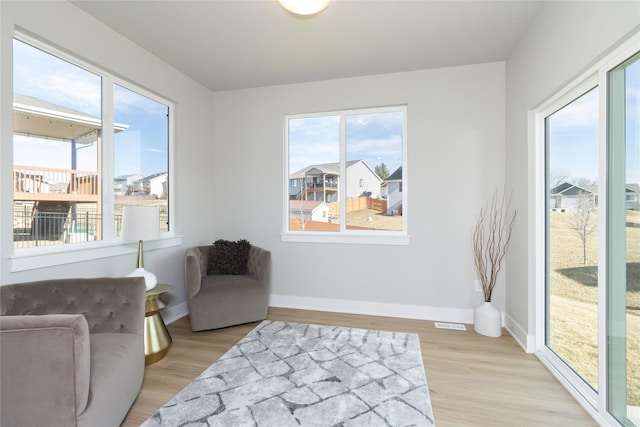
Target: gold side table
<point>156,336</point>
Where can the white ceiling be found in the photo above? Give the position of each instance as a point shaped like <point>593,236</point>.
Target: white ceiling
<point>233,44</point>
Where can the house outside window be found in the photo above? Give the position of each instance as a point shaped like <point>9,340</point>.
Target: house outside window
<point>66,150</point>
<point>332,159</point>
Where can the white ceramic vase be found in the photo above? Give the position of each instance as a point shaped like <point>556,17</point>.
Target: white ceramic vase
<point>487,320</point>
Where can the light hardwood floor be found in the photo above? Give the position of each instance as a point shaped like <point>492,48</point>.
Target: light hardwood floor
<point>473,380</point>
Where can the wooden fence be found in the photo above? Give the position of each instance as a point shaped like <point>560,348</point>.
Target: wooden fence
<point>352,205</point>
<point>379,205</point>
<point>359,204</point>
<point>295,225</point>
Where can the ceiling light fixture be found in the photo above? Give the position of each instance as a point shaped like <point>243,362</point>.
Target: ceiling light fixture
<point>304,7</point>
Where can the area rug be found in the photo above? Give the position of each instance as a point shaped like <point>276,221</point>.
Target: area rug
<point>289,374</point>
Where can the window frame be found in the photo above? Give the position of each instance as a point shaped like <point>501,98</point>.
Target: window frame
<point>23,259</point>
<point>381,237</point>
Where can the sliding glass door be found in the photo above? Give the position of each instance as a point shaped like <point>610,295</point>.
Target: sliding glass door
<point>589,204</point>
<point>572,239</point>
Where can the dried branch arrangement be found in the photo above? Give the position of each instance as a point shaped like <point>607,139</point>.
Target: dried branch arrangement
<point>491,238</point>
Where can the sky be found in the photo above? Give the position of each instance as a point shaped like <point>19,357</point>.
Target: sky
<point>573,139</point>
<point>374,137</point>
<point>573,134</point>
<point>140,149</point>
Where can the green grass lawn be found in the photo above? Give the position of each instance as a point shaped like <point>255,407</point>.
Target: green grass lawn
<point>574,295</point>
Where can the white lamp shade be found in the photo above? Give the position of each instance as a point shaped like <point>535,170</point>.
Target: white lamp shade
<point>304,7</point>
<point>140,223</point>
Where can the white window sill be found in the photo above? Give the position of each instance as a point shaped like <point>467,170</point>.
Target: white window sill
<point>381,238</point>
<point>33,258</point>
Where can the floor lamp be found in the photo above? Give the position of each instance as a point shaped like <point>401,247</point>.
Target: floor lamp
<point>141,223</point>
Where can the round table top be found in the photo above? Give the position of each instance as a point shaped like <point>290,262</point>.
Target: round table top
<point>160,289</point>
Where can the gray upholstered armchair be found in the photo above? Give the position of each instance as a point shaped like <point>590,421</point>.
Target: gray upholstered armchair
<point>72,351</point>
<point>217,301</point>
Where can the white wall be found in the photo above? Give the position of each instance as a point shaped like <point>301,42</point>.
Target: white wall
<point>66,26</point>
<point>562,42</point>
<point>456,147</point>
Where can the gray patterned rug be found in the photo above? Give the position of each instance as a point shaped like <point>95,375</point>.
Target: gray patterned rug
<point>289,374</point>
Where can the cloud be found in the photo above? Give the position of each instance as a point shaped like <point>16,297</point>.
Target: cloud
<point>128,102</point>
<point>44,76</point>
<point>375,138</point>
<point>154,150</point>
<point>581,113</point>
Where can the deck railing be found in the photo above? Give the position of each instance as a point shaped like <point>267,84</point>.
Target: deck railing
<point>40,183</point>
<point>34,228</point>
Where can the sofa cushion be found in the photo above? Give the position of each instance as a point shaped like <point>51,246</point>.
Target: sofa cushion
<point>227,257</point>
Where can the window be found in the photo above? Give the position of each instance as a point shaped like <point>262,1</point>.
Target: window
<point>339,163</point>
<point>141,157</point>
<point>588,252</point>
<point>74,166</point>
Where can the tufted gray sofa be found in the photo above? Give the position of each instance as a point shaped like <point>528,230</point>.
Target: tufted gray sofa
<point>218,301</point>
<point>72,351</point>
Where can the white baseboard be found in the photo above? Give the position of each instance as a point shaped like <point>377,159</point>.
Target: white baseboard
<point>406,311</point>
<point>175,312</point>
<point>526,341</point>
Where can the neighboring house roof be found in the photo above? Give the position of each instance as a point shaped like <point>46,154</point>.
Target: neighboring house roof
<point>560,188</point>
<point>328,168</point>
<point>150,177</point>
<point>396,175</point>
<point>572,190</point>
<point>568,189</point>
<point>153,176</point>
<point>633,188</point>
<point>125,177</point>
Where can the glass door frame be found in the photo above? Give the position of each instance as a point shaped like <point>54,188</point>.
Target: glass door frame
<point>595,403</point>
<point>561,370</point>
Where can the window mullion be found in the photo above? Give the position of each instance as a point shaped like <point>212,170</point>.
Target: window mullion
<point>603,232</point>
<point>106,158</point>
<point>342,183</point>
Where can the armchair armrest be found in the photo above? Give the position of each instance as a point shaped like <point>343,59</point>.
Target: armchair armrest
<point>109,304</point>
<point>45,369</point>
<point>195,268</point>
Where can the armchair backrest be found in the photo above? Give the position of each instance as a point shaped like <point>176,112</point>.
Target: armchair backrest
<point>259,265</point>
